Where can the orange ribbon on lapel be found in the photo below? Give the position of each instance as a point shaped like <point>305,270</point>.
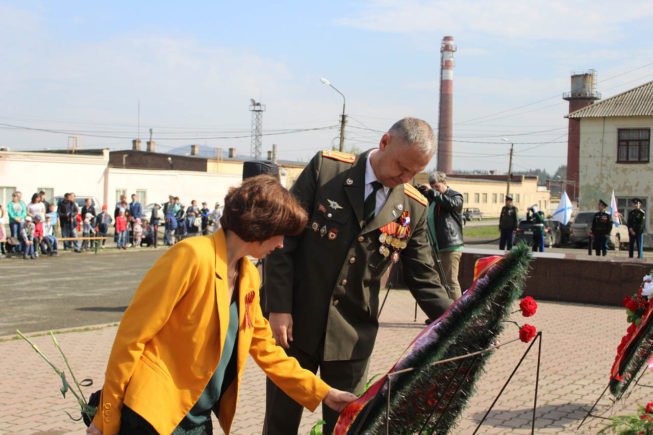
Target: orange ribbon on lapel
<point>249,299</point>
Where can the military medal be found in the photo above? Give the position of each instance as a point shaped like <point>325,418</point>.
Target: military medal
<point>393,237</point>
<point>315,226</point>
<point>323,231</point>
<point>333,233</point>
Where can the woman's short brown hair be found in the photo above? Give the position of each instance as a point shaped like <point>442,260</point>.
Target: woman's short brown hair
<point>262,208</point>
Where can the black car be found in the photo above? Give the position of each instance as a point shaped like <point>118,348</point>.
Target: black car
<point>556,234</point>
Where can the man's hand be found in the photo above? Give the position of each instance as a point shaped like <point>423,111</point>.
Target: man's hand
<point>337,399</point>
<point>281,325</point>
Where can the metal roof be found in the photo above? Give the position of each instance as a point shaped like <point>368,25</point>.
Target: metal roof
<point>634,102</point>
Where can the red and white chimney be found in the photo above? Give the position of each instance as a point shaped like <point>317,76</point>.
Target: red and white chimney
<point>445,148</point>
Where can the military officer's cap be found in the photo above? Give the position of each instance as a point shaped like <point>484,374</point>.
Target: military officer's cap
<point>637,201</point>
<point>603,203</point>
<point>508,197</point>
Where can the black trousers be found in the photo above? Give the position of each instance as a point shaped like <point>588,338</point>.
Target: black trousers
<point>283,415</point>
<point>601,244</point>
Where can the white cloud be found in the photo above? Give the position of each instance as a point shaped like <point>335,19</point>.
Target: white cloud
<point>581,20</point>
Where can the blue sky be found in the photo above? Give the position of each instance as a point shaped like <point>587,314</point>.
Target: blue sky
<point>73,67</point>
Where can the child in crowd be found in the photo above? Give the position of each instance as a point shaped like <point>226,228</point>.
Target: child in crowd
<point>138,233</point>
<point>49,241</point>
<point>171,227</point>
<point>88,230</point>
<point>78,223</point>
<point>147,234</point>
<point>121,230</point>
<point>102,222</point>
<point>38,233</point>
<point>3,234</point>
<point>27,235</point>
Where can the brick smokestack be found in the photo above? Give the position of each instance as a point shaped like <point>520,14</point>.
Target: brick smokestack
<point>445,148</point>
<point>582,94</point>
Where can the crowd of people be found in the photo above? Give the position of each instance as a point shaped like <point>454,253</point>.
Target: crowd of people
<point>42,228</point>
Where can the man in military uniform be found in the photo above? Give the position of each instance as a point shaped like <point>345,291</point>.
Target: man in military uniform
<point>636,225</point>
<point>507,224</point>
<point>601,229</point>
<point>322,288</point>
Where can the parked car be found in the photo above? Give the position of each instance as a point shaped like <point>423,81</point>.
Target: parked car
<point>147,210</point>
<point>582,225</point>
<point>556,235</point>
<point>472,213</point>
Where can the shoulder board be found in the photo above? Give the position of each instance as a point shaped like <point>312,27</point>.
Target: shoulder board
<point>339,156</point>
<point>412,192</point>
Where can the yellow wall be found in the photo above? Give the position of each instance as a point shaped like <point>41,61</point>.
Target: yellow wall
<point>489,195</point>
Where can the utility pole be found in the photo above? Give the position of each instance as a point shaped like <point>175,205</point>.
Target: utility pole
<point>509,170</point>
<point>512,145</point>
<point>343,117</point>
<point>343,121</point>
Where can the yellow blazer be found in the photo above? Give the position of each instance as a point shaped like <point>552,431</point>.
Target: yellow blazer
<point>170,339</point>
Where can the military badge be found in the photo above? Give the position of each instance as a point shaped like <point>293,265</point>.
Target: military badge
<point>333,233</point>
<point>334,204</point>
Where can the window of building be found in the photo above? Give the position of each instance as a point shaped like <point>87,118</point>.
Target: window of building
<point>517,198</point>
<point>466,197</point>
<point>625,205</point>
<point>5,197</point>
<point>477,198</point>
<point>633,145</point>
<point>49,193</point>
<point>495,198</point>
<point>502,198</point>
<point>119,193</point>
<point>485,198</point>
<point>141,195</point>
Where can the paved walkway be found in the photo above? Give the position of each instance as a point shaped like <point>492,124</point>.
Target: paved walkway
<point>578,349</point>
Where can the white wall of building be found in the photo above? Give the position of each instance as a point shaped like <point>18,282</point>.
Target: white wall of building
<point>201,186</point>
<point>28,172</point>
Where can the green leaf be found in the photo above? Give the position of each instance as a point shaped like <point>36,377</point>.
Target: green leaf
<point>369,383</point>
<point>64,384</point>
<point>317,428</point>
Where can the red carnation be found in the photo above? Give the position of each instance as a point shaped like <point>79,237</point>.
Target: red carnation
<point>649,408</point>
<point>527,332</point>
<point>528,306</point>
<point>631,305</point>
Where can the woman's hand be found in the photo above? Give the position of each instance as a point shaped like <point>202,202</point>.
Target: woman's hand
<point>337,399</point>
<point>93,430</point>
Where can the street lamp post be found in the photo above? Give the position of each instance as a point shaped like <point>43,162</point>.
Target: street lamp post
<point>343,117</point>
<point>512,145</point>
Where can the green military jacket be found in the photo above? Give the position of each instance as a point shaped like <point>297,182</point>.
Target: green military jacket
<point>328,277</point>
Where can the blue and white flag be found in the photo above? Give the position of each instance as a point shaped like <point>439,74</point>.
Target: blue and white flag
<point>563,212</point>
<point>614,211</point>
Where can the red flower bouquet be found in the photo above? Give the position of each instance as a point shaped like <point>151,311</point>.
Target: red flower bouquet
<point>637,345</point>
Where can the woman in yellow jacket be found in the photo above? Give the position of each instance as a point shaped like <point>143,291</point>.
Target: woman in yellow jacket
<point>182,344</point>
